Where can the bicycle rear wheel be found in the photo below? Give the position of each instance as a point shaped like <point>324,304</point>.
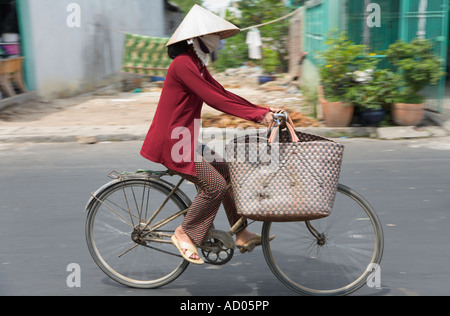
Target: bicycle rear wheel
<point>118,240</point>
<point>330,256</point>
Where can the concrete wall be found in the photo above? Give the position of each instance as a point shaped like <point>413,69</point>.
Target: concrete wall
<point>71,60</point>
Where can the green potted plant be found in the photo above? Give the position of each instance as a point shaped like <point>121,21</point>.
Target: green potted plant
<point>373,94</point>
<point>339,62</point>
<point>418,67</point>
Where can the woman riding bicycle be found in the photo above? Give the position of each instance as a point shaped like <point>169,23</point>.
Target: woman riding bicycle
<point>187,85</point>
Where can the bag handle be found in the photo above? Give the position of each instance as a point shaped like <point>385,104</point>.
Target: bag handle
<point>281,120</point>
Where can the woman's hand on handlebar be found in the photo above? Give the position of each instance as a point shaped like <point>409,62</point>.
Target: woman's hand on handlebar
<point>268,118</point>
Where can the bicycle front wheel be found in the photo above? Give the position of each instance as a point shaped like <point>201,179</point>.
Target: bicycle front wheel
<point>331,256</point>
<point>121,245</point>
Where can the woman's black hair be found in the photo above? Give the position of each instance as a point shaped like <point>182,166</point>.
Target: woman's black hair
<point>177,49</point>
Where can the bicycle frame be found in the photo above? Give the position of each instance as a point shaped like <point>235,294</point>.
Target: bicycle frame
<point>156,176</point>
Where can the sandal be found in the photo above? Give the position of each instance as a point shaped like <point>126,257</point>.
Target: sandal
<point>190,250</point>
<point>252,243</point>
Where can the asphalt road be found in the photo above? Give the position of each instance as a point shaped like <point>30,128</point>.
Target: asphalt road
<point>44,188</point>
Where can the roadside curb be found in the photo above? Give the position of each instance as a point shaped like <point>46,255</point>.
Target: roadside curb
<point>82,134</point>
<point>93,134</point>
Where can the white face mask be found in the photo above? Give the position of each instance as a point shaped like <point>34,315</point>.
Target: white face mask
<point>208,44</point>
<point>211,41</point>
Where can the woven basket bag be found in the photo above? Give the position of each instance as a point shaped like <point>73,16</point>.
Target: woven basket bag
<point>292,178</point>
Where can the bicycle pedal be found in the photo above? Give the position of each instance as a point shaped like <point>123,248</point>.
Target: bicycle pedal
<point>244,249</point>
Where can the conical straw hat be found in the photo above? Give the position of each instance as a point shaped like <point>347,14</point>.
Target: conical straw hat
<point>200,21</point>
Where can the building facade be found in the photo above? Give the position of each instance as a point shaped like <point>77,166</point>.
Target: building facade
<point>75,46</point>
<point>378,23</point>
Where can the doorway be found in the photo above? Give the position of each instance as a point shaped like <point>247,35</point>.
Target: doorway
<point>9,29</point>
<point>11,60</point>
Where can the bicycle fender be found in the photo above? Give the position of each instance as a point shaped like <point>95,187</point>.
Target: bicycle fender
<point>97,193</point>
<point>169,185</point>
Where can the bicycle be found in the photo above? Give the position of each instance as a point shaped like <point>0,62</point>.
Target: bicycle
<point>131,219</point>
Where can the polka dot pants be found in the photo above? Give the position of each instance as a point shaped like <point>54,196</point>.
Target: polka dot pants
<point>213,180</point>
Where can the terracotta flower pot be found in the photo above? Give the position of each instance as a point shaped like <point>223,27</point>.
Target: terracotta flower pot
<point>408,114</point>
<point>335,114</point>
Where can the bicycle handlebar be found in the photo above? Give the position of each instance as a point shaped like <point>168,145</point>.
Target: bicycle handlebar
<point>280,118</point>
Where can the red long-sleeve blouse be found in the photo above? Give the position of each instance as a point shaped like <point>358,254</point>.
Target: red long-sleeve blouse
<point>173,135</point>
